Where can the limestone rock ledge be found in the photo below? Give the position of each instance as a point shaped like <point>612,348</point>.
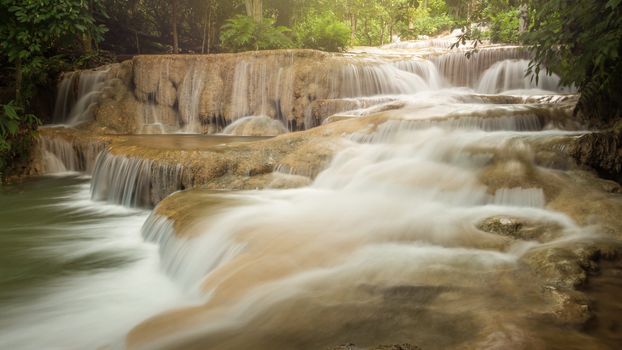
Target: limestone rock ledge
<point>143,170</point>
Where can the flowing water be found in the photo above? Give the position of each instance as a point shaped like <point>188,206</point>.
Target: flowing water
<point>386,245</point>
<point>74,274</point>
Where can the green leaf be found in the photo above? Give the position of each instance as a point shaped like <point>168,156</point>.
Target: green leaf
<point>10,111</point>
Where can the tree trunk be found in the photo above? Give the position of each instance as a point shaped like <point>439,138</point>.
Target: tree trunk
<point>382,31</point>
<point>353,28</point>
<point>86,38</point>
<point>254,9</point>
<point>206,23</point>
<point>18,82</point>
<point>523,25</point>
<point>87,43</point>
<point>174,27</point>
<point>137,42</point>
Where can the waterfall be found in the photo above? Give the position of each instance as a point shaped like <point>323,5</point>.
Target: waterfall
<point>78,93</point>
<point>263,87</point>
<point>520,197</point>
<point>393,234</point>
<point>204,94</point>
<point>185,259</point>
<point>426,70</point>
<point>512,75</point>
<point>191,91</point>
<point>369,79</point>
<point>319,251</point>
<point>240,95</point>
<point>461,70</point>
<point>65,97</point>
<point>60,155</point>
<point>133,182</point>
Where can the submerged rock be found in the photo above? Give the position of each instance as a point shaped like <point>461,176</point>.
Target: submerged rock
<point>521,228</point>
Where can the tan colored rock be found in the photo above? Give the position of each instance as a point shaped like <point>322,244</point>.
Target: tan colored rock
<point>167,94</point>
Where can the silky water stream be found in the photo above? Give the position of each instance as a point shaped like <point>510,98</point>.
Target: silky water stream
<point>75,274</point>
<point>431,226</point>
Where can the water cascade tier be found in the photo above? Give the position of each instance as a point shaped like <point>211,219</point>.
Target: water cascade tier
<point>204,94</point>
<point>304,200</point>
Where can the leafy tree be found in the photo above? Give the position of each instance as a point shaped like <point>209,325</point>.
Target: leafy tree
<point>581,40</point>
<point>34,35</point>
<point>31,30</point>
<point>243,33</point>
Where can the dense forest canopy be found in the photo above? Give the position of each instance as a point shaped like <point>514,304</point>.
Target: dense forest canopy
<point>579,40</point>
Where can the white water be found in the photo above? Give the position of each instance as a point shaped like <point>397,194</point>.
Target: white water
<point>78,94</point>
<point>511,75</point>
<point>397,207</point>
<point>190,98</point>
<point>92,308</point>
<point>255,126</point>
<point>400,207</point>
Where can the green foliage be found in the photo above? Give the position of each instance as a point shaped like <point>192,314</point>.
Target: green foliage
<point>582,42</point>
<point>33,30</point>
<point>323,32</point>
<point>242,33</point>
<point>33,35</point>
<point>504,26</point>
<point>424,23</point>
<point>17,132</point>
<point>30,28</point>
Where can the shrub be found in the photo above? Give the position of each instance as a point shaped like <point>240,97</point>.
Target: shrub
<point>242,33</point>
<point>16,135</point>
<point>323,32</point>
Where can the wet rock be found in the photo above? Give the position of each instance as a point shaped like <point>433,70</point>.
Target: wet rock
<point>564,269</point>
<point>563,265</point>
<point>601,151</point>
<point>167,94</point>
<point>570,307</point>
<point>521,228</point>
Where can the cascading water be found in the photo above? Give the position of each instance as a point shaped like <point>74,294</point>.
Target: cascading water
<point>511,75</point>
<point>60,155</point>
<point>121,180</point>
<point>255,126</point>
<point>78,94</point>
<point>466,71</point>
<point>314,251</point>
<point>190,98</point>
<point>422,229</point>
<point>81,275</point>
